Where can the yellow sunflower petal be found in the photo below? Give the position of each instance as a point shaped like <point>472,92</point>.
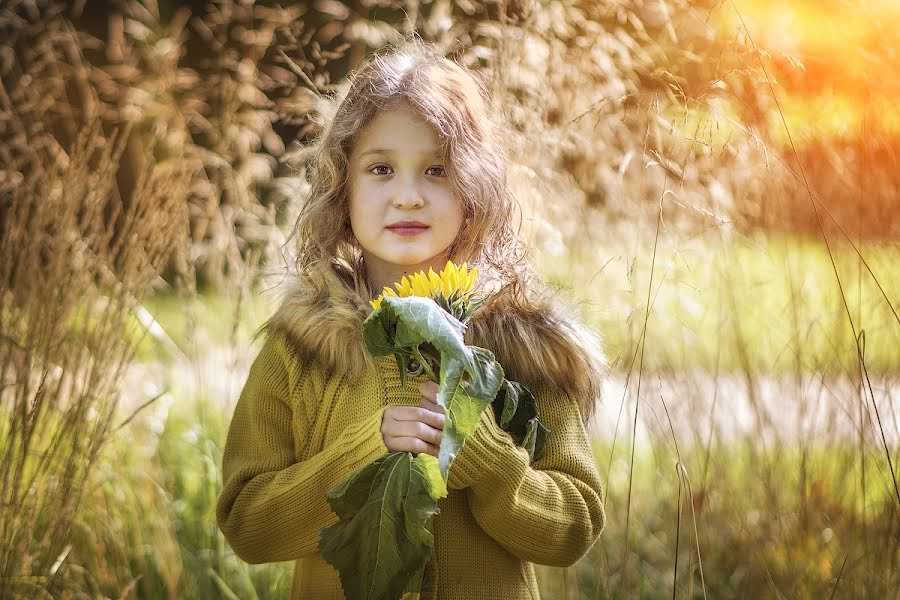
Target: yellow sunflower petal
<point>375,303</point>
<point>404,288</point>
<point>446,283</point>
<point>455,281</point>
<point>420,285</point>
<point>434,281</point>
<point>449,272</point>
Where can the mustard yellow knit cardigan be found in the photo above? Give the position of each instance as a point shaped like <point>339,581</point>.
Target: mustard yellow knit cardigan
<point>299,430</point>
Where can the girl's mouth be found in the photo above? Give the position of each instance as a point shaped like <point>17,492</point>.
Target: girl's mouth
<point>408,230</point>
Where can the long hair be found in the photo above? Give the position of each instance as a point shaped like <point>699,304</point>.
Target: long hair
<point>455,102</point>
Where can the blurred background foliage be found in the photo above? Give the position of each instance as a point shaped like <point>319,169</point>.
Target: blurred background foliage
<point>679,165</point>
<point>600,89</point>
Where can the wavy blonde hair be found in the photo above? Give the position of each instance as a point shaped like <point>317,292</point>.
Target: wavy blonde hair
<point>455,102</point>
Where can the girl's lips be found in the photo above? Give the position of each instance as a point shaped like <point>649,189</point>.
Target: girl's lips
<point>407,230</point>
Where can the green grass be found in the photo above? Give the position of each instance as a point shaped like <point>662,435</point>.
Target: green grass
<point>200,322</point>
<point>763,522</point>
<point>150,519</point>
<point>770,304</point>
<point>783,519</point>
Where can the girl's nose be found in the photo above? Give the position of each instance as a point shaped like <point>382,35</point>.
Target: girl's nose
<point>408,195</point>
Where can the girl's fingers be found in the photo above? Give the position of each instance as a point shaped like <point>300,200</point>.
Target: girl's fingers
<point>429,389</point>
<point>416,429</point>
<point>420,413</point>
<point>430,405</point>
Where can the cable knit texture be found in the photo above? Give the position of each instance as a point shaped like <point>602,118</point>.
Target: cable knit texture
<point>301,426</point>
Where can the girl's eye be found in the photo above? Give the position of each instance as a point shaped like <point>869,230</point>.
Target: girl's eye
<point>437,171</point>
<point>377,170</point>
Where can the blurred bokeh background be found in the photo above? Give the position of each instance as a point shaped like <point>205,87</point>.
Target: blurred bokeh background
<point>716,183</point>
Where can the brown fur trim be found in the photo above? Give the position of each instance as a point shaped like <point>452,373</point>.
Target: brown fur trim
<point>324,320</point>
<point>540,340</point>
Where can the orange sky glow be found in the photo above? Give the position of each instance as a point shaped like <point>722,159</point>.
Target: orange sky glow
<point>850,57</point>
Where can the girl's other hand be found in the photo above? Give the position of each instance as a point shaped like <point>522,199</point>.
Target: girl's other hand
<point>415,429</point>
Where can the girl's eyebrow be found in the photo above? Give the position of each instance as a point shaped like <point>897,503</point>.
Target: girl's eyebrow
<point>435,153</point>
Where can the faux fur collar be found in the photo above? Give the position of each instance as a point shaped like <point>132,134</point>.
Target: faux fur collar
<point>540,341</point>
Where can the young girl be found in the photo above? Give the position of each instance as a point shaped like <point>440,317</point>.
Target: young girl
<point>409,174</point>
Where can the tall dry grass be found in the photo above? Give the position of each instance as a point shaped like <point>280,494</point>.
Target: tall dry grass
<point>209,82</point>
<point>76,258</point>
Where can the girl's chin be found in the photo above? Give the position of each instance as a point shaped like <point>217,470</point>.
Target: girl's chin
<point>417,263</point>
<point>413,264</point>
<point>411,259</point>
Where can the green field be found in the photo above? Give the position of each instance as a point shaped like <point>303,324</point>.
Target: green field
<point>767,304</point>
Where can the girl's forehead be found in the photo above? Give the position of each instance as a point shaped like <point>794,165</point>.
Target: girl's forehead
<point>398,129</point>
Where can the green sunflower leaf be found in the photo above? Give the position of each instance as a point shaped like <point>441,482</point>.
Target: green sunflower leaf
<point>381,543</point>
<point>515,408</point>
<point>464,394</point>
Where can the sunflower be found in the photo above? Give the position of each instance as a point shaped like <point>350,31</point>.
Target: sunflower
<point>452,288</point>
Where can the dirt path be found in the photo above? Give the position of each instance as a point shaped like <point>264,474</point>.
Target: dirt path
<point>791,409</point>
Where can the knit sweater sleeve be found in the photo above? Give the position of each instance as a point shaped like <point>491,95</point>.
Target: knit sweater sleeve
<point>549,512</point>
<point>272,506</point>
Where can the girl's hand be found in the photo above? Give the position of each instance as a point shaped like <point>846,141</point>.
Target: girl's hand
<point>415,429</point>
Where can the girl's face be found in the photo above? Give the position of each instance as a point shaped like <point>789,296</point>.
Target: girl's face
<point>402,209</point>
